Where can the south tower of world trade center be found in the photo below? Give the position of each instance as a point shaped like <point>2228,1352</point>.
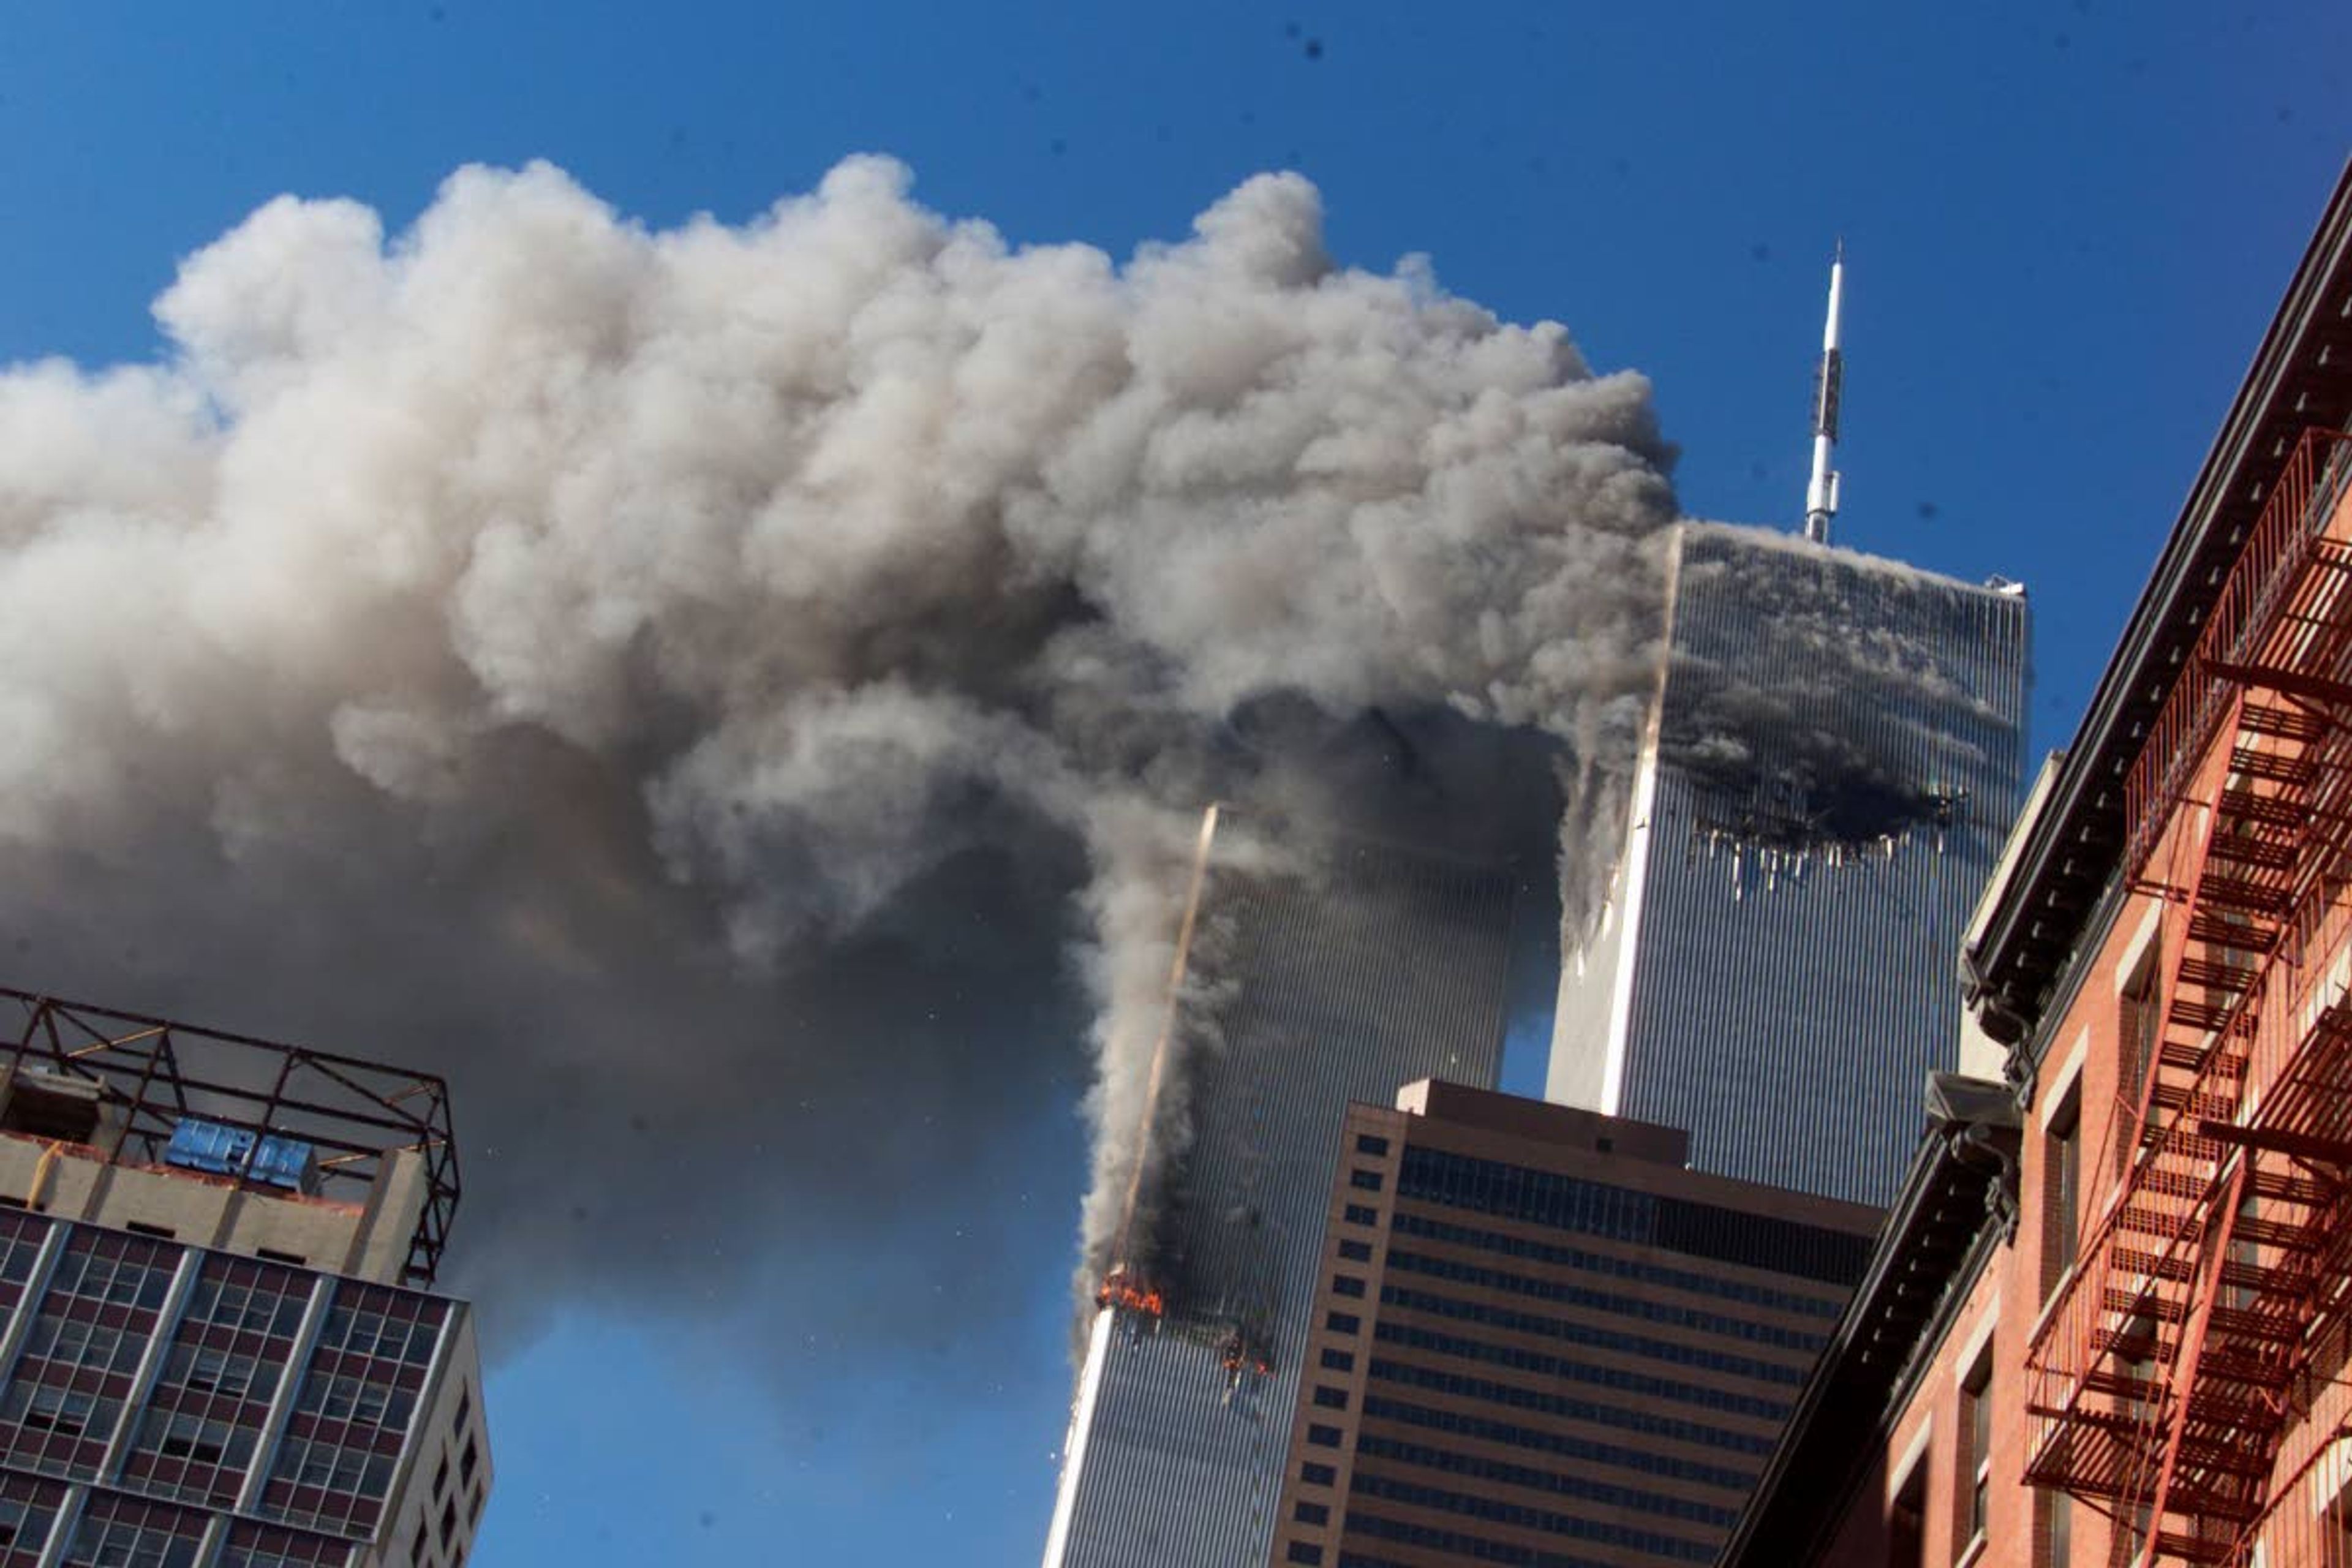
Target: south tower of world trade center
<point>1337,973</point>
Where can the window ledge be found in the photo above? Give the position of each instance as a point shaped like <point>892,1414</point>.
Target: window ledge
<point>1972,1554</point>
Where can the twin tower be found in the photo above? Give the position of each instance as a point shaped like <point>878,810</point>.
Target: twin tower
<point>1761,949</point>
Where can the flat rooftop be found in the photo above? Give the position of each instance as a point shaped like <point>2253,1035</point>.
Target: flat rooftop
<point>121,1084</point>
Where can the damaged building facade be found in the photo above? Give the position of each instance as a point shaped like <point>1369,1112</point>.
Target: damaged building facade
<point>1314,975</point>
<point>1824,782</point>
<point>1825,771</point>
<point>2108,1320</point>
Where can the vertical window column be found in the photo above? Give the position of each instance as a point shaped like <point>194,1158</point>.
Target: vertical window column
<point>1906,1519</point>
<point>281,1403</point>
<point>1976,1476</point>
<point>437,1372</point>
<point>2062,1190</point>
<point>2137,1030</point>
<point>2057,1532</point>
<point>28,1301</point>
<point>68,1525</point>
<point>151,1360</point>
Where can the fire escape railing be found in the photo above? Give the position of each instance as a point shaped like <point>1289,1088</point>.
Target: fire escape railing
<point>2162,1384</point>
<point>2277,555</point>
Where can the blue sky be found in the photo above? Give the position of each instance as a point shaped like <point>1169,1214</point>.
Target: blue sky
<point>2066,225</point>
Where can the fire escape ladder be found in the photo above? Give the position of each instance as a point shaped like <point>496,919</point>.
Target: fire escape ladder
<point>2232,1368</point>
<point>2162,1379</point>
<point>2263,1222</point>
<point>2105,1362</point>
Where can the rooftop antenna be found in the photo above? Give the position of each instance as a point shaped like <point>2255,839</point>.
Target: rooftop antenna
<point>1822,494</point>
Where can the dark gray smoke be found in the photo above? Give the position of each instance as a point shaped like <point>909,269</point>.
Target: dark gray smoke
<point>1817,707</point>
<point>737,698</point>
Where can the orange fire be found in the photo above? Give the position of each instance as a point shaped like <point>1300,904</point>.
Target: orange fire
<point>1238,1354</point>
<point>1122,1289</point>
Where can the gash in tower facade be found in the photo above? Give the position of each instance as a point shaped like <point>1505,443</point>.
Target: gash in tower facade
<point>1828,773</point>
<point>1334,972</point>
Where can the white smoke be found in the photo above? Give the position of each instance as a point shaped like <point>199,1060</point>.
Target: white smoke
<point>684,675</point>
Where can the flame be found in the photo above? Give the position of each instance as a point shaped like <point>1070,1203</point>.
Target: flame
<point>1238,1353</point>
<point>1123,1290</point>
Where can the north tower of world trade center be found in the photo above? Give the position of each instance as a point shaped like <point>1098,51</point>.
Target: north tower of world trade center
<point>1827,774</point>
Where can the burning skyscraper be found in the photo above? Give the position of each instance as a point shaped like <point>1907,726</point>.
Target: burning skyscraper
<point>1759,950</point>
<point>1827,771</point>
<point>1310,974</point>
<point>1771,965</point>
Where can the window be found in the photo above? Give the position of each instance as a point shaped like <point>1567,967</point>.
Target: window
<point>1347,1285</point>
<point>1305,1552</point>
<point>1342,1322</point>
<point>271,1253</point>
<point>51,1409</point>
<point>1339,1361</point>
<point>1368,1144</point>
<point>1597,1208</point>
<point>1369,1181</point>
<point>1976,1417</point>
<point>110,1540</point>
<point>141,1227</point>
<point>1331,1398</point>
<point>1906,1519</point>
<point>1323,1436</point>
<point>2138,1019</point>
<point>1358,1215</point>
<point>1311,1513</point>
<point>181,1436</point>
<point>1315,1475</point>
<point>2061,1186</point>
<point>2057,1529</point>
<point>1355,1251</point>
<point>78,1343</point>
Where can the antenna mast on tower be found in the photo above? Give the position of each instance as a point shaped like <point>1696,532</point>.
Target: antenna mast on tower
<point>1821,493</point>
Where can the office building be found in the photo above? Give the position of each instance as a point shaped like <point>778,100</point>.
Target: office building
<point>1829,770</point>
<point>2110,1320</point>
<point>1538,1339</point>
<point>1329,973</point>
<point>218,1348</point>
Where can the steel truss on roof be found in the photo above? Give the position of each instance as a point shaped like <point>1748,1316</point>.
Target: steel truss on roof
<point>157,1073</point>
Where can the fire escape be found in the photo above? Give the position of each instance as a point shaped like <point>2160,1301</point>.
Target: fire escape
<point>2163,1381</point>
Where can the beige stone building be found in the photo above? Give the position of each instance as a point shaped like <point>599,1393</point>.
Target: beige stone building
<point>218,1348</point>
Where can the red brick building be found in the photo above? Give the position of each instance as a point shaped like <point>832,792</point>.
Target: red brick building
<point>2110,1318</point>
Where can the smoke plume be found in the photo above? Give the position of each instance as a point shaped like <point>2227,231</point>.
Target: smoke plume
<point>737,698</point>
